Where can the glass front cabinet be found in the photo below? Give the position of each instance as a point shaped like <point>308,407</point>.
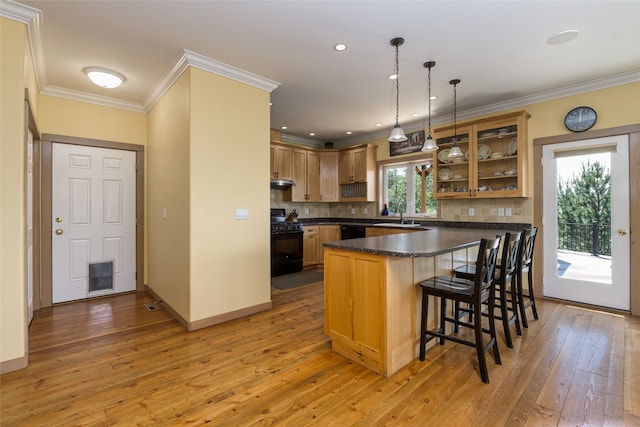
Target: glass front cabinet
<point>495,161</point>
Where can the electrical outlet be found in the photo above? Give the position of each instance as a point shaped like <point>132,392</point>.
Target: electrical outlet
<point>507,212</point>
<point>472,212</point>
<point>365,211</point>
<point>306,210</point>
<point>353,211</point>
<point>164,213</point>
<point>500,211</point>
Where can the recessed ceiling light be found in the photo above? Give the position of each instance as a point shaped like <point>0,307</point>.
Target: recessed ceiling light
<point>415,114</point>
<point>340,47</point>
<point>349,132</point>
<point>393,76</point>
<point>433,97</point>
<point>283,128</point>
<point>563,37</point>
<point>378,125</point>
<point>103,77</point>
<point>312,134</point>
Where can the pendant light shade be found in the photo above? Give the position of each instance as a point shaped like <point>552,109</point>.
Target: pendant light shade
<point>429,145</point>
<point>455,150</point>
<point>397,134</point>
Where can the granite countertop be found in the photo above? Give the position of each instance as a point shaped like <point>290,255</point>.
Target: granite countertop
<point>427,243</point>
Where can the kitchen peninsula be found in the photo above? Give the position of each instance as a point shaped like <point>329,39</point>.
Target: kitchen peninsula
<point>372,303</point>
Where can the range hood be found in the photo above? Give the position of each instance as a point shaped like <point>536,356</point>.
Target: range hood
<point>281,183</point>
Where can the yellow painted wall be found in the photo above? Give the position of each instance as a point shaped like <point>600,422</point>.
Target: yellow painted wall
<point>230,267</point>
<point>13,329</point>
<point>169,183</point>
<point>63,116</point>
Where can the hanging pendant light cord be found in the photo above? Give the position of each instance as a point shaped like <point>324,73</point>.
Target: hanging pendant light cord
<point>429,97</point>
<point>397,85</point>
<point>455,134</point>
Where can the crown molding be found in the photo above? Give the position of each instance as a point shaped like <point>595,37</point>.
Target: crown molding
<point>18,12</point>
<point>312,143</point>
<point>576,89</point>
<point>93,99</point>
<point>172,74</point>
<point>207,64</point>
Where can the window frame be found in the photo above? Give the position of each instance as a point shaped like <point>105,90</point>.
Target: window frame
<point>411,162</point>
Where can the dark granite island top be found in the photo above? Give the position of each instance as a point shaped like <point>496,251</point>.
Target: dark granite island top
<point>427,243</point>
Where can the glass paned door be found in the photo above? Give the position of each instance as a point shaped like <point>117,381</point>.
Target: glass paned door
<point>586,221</point>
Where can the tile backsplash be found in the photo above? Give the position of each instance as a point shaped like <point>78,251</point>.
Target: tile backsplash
<point>516,210</point>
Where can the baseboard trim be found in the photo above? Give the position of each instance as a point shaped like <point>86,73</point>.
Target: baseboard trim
<point>14,364</point>
<point>232,315</point>
<point>213,320</point>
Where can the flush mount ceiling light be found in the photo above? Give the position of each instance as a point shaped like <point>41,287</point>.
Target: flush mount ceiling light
<point>340,47</point>
<point>429,145</point>
<point>563,37</point>
<point>103,77</point>
<point>397,134</point>
<point>455,150</point>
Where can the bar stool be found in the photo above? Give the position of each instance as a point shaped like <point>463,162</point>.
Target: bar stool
<point>481,289</point>
<point>525,265</point>
<point>506,283</point>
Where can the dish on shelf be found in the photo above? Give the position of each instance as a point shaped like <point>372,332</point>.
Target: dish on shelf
<point>511,172</point>
<point>442,156</point>
<point>513,147</point>
<point>482,188</point>
<point>457,160</point>
<point>466,155</point>
<point>496,155</point>
<point>498,173</point>
<point>457,176</point>
<point>484,151</point>
<point>488,134</point>
<point>444,173</point>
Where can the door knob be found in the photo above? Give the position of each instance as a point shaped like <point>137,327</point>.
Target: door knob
<point>59,232</point>
<point>622,231</point>
<point>58,219</point>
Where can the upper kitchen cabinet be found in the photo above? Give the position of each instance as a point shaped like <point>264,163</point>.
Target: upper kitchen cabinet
<point>305,171</point>
<point>329,188</point>
<point>495,162</point>
<point>280,161</point>
<point>357,173</point>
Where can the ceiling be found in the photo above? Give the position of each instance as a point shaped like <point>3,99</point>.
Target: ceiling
<point>498,49</point>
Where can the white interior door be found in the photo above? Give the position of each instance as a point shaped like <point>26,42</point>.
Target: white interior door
<point>93,215</point>
<point>30,281</point>
<point>572,270</point>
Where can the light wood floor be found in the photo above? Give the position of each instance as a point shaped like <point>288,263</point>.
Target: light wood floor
<point>111,362</point>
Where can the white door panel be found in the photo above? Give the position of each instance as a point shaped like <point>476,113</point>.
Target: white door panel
<point>578,275</point>
<point>93,211</point>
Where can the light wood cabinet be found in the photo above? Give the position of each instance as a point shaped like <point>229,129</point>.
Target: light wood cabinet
<point>495,162</point>
<point>280,161</point>
<point>357,173</point>
<point>310,241</point>
<point>328,233</point>
<point>355,306</point>
<point>306,175</point>
<point>329,188</point>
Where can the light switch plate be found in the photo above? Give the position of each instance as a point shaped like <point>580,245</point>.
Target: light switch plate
<point>365,211</point>
<point>164,213</point>
<point>472,212</point>
<point>507,212</point>
<point>306,210</point>
<point>353,210</point>
<point>500,211</point>
<point>242,213</point>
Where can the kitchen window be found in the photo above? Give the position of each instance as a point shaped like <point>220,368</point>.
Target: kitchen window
<point>408,188</point>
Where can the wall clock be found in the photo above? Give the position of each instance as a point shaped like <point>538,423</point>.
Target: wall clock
<point>580,119</point>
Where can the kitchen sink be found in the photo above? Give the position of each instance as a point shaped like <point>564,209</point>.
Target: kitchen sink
<point>395,224</point>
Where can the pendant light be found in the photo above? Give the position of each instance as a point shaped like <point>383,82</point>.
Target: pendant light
<point>455,150</point>
<point>429,145</point>
<point>397,134</point>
